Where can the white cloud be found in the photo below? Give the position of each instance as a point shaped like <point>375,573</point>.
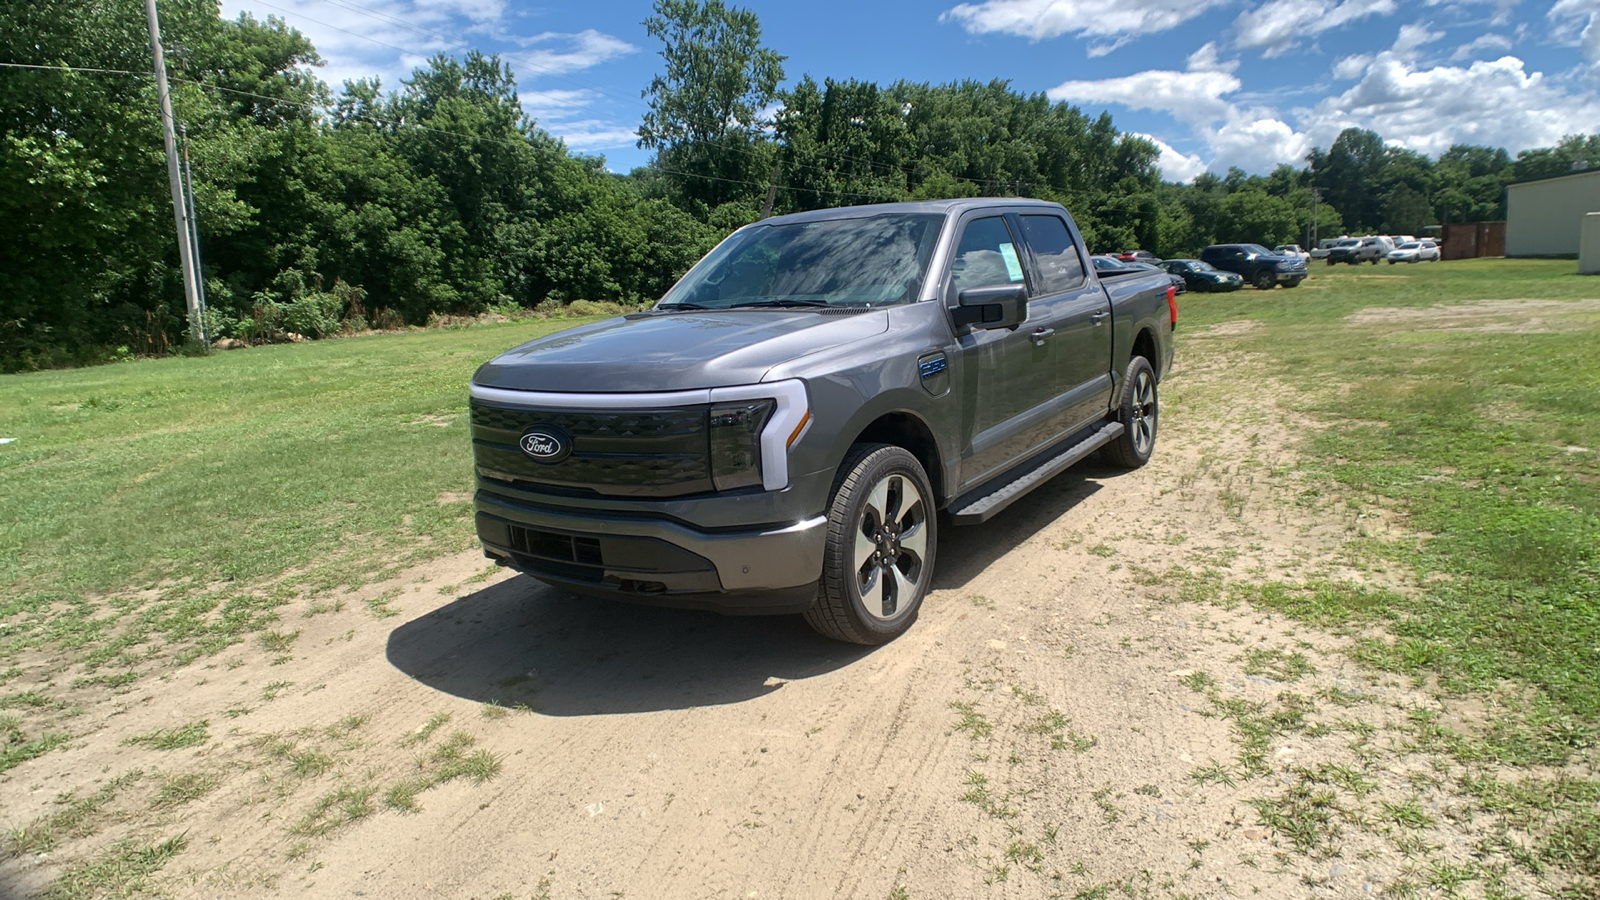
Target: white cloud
<point>548,108</point>
<point>1496,102</point>
<point>555,102</point>
<point>1251,137</point>
<point>1423,107</point>
<point>1348,67</point>
<point>1041,19</point>
<point>1495,43</point>
<point>390,38</point>
<point>1502,8</point>
<point>1175,166</point>
<point>385,38</point>
<point>593,134</point>
<point>1205,60</point>
<point>1412,36</point>
<point>587,48</point>
<point>1570,12</point>
<point>1278,25</point>
<point>1189,96</point>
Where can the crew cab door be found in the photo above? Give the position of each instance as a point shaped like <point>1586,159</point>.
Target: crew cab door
<point>1009,380</point>
<point>1081,312</point>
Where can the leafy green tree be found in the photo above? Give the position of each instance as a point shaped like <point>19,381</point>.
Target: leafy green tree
<point>1572,153</point>
<point>1471,184</point>
<point>1350,176</point>
<point>707,110</point>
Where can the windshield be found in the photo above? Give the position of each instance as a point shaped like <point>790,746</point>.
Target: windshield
<point>1198,266</point>
<point>1348,243</point>
<point>1257,249</point>
<point>866,262</point>
<point>1411,246</point>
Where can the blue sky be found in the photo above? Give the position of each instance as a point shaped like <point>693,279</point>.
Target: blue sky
<point>1250,83</point>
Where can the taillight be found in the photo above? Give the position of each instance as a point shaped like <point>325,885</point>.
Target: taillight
<point>1172,304</point>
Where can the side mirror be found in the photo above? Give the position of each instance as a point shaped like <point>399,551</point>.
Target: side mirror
<point>998,306</point>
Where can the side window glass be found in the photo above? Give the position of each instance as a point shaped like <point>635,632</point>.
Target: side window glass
<point>1060,266</point>
<point>985,257</point>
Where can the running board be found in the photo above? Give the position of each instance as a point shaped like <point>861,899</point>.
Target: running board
<point>973,510</point>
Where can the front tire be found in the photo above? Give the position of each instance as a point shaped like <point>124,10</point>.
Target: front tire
<point>1139,413</point>
<point>1264,280</point>
<point>878,560</point>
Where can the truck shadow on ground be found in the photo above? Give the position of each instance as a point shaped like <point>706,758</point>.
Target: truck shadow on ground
<point>521,642</point>
<point>967,551</point>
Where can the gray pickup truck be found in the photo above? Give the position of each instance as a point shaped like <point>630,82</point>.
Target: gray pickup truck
<point>781,432</point>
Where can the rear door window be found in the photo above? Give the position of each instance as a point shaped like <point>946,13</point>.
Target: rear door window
<point>986,256</point>
<point>1060,266</point>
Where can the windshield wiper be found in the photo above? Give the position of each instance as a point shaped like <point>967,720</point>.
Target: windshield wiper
<point>782,302</point>
<point>688,306</point>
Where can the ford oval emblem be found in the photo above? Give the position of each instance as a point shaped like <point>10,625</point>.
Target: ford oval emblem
<point>545,444</point>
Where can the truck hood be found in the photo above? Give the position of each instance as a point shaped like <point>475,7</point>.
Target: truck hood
<point>662,351</point>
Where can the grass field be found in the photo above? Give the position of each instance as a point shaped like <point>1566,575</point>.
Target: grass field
<point>1483,424</point>
<point>183,486</point>
<point>201,482</point>
<point>159,511</point>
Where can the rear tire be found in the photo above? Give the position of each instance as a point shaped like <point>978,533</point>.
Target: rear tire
<point>877,562</point>
<point>1139,413</point>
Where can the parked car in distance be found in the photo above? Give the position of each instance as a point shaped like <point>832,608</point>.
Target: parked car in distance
<point>1203,277</point>
<point>1256,264</point>
<point>1178,284</point>
<point>1320,251</point>
<point>1292,250</point>
<point>1139,256</point>
<point>1341,250</point>
<point>1356,251</point>
<point>1111,267</point>
<point>1414,251</point>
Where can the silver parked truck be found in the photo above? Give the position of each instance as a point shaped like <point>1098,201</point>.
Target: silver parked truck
<point>790,427</point>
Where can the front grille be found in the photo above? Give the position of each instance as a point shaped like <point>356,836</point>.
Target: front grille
<point>642,452</point>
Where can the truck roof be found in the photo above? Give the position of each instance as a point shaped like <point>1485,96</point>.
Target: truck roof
<point>940,207</point>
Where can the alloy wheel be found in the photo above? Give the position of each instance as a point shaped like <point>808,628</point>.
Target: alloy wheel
<point>891,546</point>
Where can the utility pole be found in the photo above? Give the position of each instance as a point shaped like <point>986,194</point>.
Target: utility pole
<point>1315,196</point>
<point>180,216</point>
<point>772,192</point>
<point>194,238</point>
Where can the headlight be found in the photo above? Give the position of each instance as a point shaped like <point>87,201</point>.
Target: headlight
<point>735,430</point>
<point>1285,266</point>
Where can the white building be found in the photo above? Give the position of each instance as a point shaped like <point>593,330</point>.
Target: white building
<point>1544,218</point>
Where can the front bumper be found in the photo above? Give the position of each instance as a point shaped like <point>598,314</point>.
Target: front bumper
<point>762,569</point>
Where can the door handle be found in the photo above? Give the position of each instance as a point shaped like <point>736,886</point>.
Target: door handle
<point>1099,317</point>
<point>1039,335</point>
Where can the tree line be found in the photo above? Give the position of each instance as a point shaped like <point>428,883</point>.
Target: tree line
<point>323,210</point>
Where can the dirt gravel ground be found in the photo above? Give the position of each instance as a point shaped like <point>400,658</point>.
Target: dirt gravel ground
<point>1060,722</point>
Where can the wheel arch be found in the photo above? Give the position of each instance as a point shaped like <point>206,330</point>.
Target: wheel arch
<point>1144,344</point>
<point>906,430</point>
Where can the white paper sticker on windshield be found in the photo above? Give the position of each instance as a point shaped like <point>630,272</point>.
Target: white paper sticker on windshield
<point>1013,267</point>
